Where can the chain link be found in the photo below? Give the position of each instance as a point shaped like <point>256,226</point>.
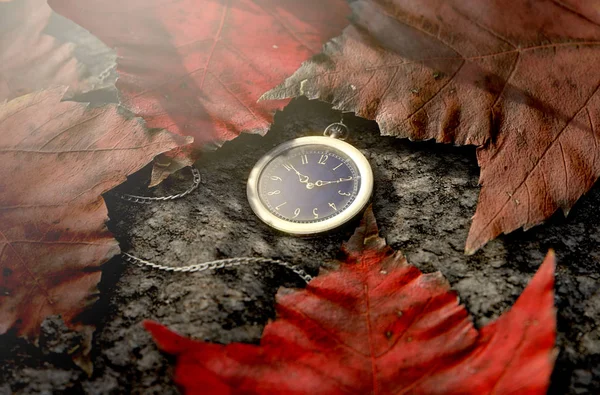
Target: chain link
<point>211,265</point>
<point>150,199</point>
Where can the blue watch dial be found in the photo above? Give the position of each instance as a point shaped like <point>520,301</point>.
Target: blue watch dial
<point>309,184</point>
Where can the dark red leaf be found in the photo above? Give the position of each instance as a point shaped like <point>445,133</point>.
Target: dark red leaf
<point>378,325</point>
<point>197,67</point>
<point>516,78</point>
<point>58,158</point>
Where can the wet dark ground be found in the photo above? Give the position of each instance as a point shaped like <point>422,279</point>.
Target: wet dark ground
<point>424,197</point>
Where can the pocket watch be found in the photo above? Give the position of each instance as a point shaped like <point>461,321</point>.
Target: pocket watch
<point>311,185</point>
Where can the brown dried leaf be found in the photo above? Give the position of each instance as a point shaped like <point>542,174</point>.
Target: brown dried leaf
<point>518,80</point>
<point>58,158</point>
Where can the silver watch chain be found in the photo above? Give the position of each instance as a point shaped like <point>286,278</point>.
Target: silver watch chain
<point>211,265</point>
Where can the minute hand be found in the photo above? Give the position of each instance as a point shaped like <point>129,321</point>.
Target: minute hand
<point>320,183</point>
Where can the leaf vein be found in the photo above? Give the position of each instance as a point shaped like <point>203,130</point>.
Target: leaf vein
<point>437,92</point>
<point>216,40</point>
<point>560,4</point>
<point>78,151</point>
<point>236,97</point>
<point>512,72</point>
<point>564,162</point>
<point>285,26</point>
<point>36,282</point>
<point>69,128</point>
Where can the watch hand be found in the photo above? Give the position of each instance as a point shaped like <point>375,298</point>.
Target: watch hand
<point>302,177</point>
<point>319,183</point>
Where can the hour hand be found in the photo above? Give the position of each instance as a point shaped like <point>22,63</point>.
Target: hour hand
<point>302,177</point>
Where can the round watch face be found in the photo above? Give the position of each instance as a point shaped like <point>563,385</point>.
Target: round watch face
<point>310,185</point>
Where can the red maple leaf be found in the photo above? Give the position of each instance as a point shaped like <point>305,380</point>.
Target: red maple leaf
<point>514,77</point>
<point>58,159</point>
<point>30,59</point>
<point>378,325</point>
<point>198,67</point>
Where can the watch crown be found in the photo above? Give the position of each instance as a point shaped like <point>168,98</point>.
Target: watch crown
<point>337,131</point>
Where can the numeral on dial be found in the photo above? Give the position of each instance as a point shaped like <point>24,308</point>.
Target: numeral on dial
<point>304,159</point>
<point>344,194</point>
<point>315,213</point>
<point>323,159</point>
<point>275,178</point>
<point>277,192</point>
<point>296,212</point>
<point>287,167</point>
<point>332,205</point>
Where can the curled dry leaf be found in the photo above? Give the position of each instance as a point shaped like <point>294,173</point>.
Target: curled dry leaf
<point>198,67</point>
<point>57,160</point>
<point>517,79</point>
<point>378,325</point>
<point>30,59</point>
